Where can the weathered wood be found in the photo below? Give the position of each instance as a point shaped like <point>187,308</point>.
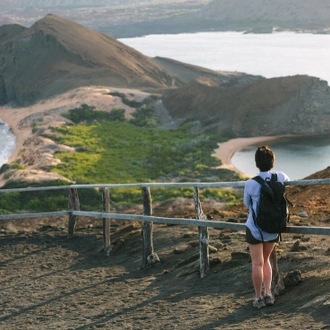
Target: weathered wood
<point>74,205</point>
<point>147,229</point>
<point>106,221</point>
<point>275,271</point>
<point>193,222</point>
<point>233,184</point>
<point>20,216</point>
<point>203,236</point>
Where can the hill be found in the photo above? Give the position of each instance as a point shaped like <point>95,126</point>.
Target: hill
<point>288,105</point>
<point>56,55</point>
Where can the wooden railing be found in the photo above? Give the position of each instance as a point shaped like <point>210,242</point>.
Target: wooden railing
<point>147,227</point>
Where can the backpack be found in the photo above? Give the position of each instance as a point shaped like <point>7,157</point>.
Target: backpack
<point>272,213</point>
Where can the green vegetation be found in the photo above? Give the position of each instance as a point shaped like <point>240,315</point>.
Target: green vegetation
<point>118,152</point>
<point>88,114</point>
<point>111,149</point>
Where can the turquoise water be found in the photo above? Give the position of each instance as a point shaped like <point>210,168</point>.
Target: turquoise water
<point>298,158</point>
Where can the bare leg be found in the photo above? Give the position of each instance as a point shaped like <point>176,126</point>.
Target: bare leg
<point>261,267</point>
<point>256,252</point>
<point>268,247</point>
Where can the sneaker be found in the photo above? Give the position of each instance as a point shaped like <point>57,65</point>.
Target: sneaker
<point>259,303</point>
<point>269,299</point>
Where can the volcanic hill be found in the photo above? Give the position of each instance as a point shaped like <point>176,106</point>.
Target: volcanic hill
<point>298,105</point>
<point>55,55</point>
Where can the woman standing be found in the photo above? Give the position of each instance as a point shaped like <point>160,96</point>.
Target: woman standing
<point>261,243</point>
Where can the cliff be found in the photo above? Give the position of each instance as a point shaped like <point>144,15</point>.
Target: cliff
<point>288,105</point>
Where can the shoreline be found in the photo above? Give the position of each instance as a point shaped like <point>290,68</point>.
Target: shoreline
<point>226,150</point>
<point>93,95</point>
<point>12,118</point>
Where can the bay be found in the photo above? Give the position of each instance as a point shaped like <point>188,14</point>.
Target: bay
<point>298,158</point>
<point>269,55</point>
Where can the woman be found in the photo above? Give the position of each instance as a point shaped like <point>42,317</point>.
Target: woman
<point>260,242</point>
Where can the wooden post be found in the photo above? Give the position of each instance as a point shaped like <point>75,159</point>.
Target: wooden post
<point>203,237</point>
<point>106,221</point>
<point>276,274</point>
<point>147,229</point>
<point>74,205</point>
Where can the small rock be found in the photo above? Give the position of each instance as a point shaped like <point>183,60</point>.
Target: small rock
<point>212,249</point>
<point>153,259</point>
<point>215,261</point>
<point>194,243</point>
<point>295,246</point>
<point>303,214</point>
<point>179,250</point>
<point>188,235</point>
<point>292,279</point>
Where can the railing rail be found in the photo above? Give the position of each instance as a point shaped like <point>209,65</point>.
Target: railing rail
<point>233,184</point>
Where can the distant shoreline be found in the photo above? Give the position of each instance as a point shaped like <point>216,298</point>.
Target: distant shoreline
<point>226,150</point>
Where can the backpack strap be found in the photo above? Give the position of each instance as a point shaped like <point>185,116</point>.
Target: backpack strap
<point>260,180</point>
<point>273,177</point>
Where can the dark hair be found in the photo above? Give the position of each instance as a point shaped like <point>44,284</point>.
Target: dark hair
<point>265,158</point>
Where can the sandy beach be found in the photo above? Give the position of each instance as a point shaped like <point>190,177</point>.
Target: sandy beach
<point>227,149</point>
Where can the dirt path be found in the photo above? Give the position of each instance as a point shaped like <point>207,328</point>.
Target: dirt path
<point>50,282</point>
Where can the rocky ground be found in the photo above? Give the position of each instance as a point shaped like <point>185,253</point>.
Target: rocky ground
<point>49,281</point>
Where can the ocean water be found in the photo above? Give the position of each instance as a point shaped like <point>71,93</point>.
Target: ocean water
<point>298,158</point>
<point>7,142</point>
<point>268,55</point>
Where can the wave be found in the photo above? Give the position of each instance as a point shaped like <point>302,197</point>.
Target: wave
<point>7,142</point>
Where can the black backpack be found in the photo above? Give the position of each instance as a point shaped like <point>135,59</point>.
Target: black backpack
<point>272,213</point>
